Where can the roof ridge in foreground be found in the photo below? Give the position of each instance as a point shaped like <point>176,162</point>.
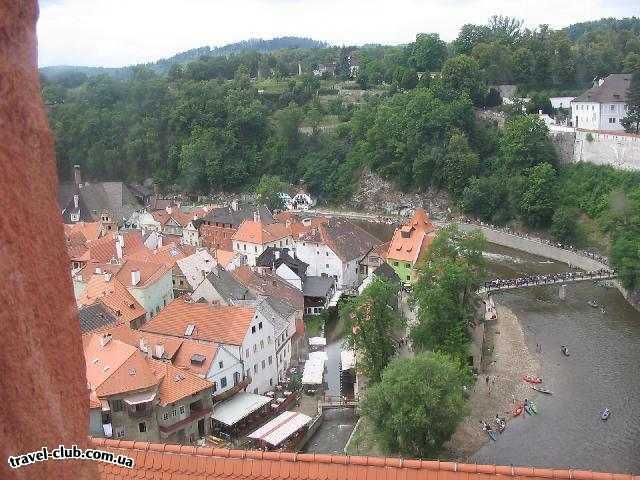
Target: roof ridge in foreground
<point>169,459</point>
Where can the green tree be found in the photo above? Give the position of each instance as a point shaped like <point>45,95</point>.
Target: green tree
<point>460,163</point>
<point>540,195</point>
<point>525,143</point>
<point>370,325</point>
<point>428,52</point>
<point>269,192</point>
<point>418,404</point>
<point>462,74</point>
<point>631,122</point>
<point>564,224</point>
<point>445,292</point>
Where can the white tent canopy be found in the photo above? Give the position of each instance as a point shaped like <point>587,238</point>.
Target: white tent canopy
<point>348,359</point>
<point>318,341</point>
<point>140,398</point>
<point>319,356</point>
<point>280,428</point>
<point>241,405</point>
<point>313,372</point>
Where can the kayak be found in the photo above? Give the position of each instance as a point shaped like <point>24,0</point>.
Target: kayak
<point>565,352</point>
<point>518,410</point>
<point>501,425</point>
<point>533,408</point>
<point>531,379</point>
<point>541,390</point>
<point>593,303</point>
<point>528,409</point>
<point>492,434</point>
<point>605,414</point>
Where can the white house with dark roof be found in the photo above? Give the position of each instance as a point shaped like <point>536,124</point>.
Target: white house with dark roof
<point>603,106</point>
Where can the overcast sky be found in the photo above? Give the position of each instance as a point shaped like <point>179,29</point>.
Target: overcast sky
<point>115,33</point>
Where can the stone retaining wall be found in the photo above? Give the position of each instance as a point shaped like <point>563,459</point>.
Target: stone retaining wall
<point>548,251</point>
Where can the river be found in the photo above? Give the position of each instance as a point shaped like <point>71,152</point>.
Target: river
<point>602,371</point>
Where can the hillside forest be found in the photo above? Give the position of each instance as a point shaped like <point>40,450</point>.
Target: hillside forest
<point>214,121</point>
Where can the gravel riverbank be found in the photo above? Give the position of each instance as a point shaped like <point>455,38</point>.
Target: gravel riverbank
<point>510,360</point>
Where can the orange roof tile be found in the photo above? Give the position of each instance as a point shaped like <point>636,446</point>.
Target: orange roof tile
<point>132,337</point>
<point>411,241</point>
<point>175,383</point>
<point>149,272</point>
<point>116,367</point>
<point>173,462</point>
<point>261,233</point>
<point>104,249</point>
<point>114,295</point>
<point>212,323</point>
<point>224,257</point>
<point>189,348</point>
<point>167,254</point>
<point>214,237</point>
<point>88,230</point>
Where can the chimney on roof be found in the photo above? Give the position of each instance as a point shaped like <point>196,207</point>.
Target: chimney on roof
<point>159,243</point>
<point>169,209</point>
<point>159,351</point>
<point>98,271</point>
<point>77,176</point>
<point>76,201</point>
<point>105,339</point>
<point>118,250</point>
<point>143,346</point>
<point>306,222</point>
<point>256,216</point>
<point>276,254</point>
<point>107,276</point>
<point>234,205</point>
<point>135,277</point>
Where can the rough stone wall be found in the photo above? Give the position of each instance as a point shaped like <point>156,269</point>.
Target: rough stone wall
<point>619,151</point>
<point>564,144</point>
<point>42,385</point>
<point>497,118</point>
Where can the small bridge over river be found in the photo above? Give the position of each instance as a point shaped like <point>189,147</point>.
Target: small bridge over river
<point>336,401</point>
<point>500,285</point>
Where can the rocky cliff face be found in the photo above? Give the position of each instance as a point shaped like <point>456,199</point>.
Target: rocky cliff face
<point>375,194</point>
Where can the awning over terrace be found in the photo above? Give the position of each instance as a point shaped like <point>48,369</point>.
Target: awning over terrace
<point>240,406</point>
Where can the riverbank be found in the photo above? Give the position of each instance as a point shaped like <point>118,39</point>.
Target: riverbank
<point>510,359</point>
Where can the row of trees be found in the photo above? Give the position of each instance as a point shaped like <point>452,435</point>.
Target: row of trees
<point>507,53</point>
<point>415,404</point>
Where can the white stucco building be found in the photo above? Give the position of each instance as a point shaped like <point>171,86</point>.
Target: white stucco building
<point>254,236</point>
<point>602,107</point>
<point>244,332</point>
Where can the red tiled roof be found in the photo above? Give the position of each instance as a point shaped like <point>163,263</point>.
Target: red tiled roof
<point>187,349</point>
<point>213,323</point>
<point>224,257</point>
<point>114,295</point>
<point>261,233</point>
<point>182,218</point>
<point>104,249</point>
<point>269,284</point>
<point>149,272</point>
<point>132,337</point>
<point>88,231</point>
<point>175,383</point>
<point>173,462</point>
<point>411,241</point>
<point>167,254</point>
<point>116,368</point>
<point>216,237</point>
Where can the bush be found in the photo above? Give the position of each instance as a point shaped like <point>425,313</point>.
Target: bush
<point>564,225</point>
